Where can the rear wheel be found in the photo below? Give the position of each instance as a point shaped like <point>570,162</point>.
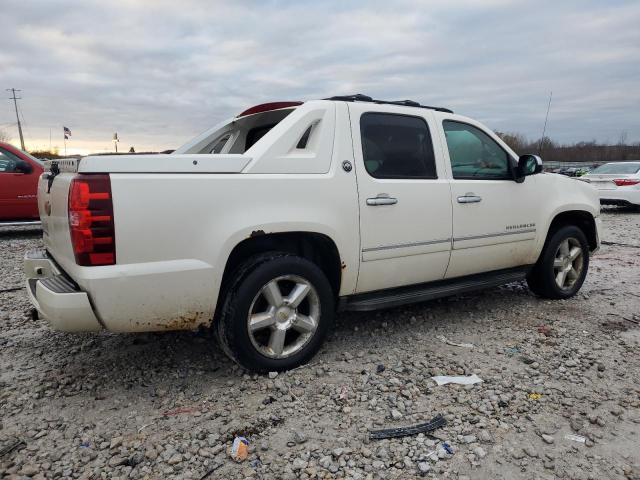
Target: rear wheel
<point>277,312</point>
<point>562,266</point>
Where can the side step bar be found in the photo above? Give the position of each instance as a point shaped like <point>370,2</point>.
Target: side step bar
<point>394,297</point>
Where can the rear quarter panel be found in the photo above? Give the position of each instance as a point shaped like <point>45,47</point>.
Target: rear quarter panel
<point>175,231</point>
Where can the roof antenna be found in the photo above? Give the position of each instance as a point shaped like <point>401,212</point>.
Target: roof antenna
<point>544,129</point>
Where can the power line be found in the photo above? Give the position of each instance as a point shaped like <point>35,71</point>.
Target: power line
<point>15,104</point>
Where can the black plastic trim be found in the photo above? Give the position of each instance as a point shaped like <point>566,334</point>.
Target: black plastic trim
<point>422,292</point>
<point>358,97</point>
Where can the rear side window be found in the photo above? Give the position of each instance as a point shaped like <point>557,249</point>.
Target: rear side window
<point>474,154</point>
<point>220,144</point>
<point>396,146</point>
<point>256,134</point>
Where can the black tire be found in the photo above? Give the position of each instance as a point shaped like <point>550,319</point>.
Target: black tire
<point>245,285</point>
<point>542,278</point>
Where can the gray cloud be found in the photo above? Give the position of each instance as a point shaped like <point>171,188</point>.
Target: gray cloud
<point>159,72</point>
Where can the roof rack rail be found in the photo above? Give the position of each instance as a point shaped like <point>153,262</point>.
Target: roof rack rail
<point>358,97</point>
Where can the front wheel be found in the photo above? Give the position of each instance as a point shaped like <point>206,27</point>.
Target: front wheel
<point>277,312</point>
<point>562,266</point>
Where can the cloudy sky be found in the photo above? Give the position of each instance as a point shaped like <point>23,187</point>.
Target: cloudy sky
<point>159,72</point>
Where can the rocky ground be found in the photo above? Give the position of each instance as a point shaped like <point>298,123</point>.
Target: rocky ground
<point>169,405</point>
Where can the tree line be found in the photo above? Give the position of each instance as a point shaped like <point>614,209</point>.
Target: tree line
<point>587,152</point>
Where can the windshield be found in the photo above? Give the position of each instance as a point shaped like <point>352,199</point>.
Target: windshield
<point>621,168</point>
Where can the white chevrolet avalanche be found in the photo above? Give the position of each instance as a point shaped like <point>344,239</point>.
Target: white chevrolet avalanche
<point>266,225</point>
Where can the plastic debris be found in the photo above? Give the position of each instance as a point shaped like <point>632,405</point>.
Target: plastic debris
<point>460,380</point>
<point>447,448</point>
<point>535,396</point>
<point>444,339</point>
<point>239,449</point>
<point>575,438</point>
<point>433,453</point>
<point>512,350</point>
<point>436,422</point>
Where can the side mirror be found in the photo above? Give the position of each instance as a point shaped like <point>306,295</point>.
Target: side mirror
<point>23,167</point>
<point>528,165</point>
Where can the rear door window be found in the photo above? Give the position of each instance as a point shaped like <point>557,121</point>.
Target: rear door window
<point>396,146</point>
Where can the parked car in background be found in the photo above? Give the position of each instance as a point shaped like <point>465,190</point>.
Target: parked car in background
<point>265,225</point>
<point>19,174</point>
<point>618,183</point>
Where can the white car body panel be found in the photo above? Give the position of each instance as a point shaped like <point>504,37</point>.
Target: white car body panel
<point>165,163</point>
<point>178,217</point>
<point>609,192</point>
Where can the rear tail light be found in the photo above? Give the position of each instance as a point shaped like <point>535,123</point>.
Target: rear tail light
<point>91,220</point>
<point>626,182</point>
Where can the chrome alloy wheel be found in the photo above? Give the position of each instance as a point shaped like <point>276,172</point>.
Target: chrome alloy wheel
<point>568,263</point>
<point>283,316</point>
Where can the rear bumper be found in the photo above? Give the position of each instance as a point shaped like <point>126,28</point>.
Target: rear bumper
<point>620,196</point>
<point>57,299</point>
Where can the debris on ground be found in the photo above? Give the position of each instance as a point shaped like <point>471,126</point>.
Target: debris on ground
<point>535,396</point>
<point>575,438</point>
<point>444,339</point>
<point>239,449</point>
<point>459,380</point>
<point>435,423</point>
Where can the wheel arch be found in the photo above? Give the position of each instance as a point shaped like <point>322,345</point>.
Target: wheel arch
<point>581,219</point>
<point>315,247</point>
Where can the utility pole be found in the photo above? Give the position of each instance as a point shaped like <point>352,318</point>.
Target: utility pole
<point>544,129</point>
<point>15,104</point>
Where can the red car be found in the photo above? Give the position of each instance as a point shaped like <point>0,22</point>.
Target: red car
<point>19,173</point>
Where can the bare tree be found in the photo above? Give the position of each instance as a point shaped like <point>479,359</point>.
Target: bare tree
<point>516,141</point>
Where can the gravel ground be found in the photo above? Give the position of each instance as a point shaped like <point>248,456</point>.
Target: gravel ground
<point>169,405</point>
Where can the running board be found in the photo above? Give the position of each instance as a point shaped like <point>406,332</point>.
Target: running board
<point>423,292</point>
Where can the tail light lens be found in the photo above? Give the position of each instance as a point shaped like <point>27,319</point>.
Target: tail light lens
<point>626,182</point>
<point>91,220</point>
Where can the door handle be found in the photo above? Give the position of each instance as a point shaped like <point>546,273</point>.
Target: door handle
<point>381,199</point>
<point>469,198</point>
